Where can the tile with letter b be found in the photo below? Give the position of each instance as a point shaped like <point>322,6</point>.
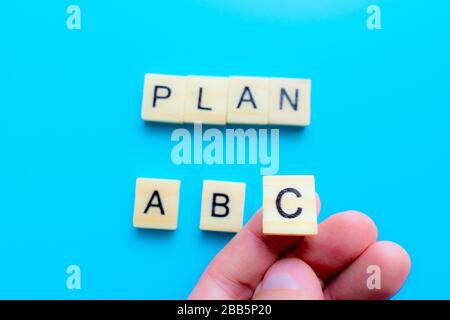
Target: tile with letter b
<point>222,206</point>
<point>248,100</point>
<point>156,204</point>
<point>290,101</point>
<point>163,98</point>
<point>289,205</point>
<point>206,100</point>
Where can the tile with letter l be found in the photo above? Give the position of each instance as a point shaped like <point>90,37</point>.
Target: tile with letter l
<point>206,100</point>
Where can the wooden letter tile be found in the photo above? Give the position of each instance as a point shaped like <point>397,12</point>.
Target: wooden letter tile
<point>156,204</point>
<point>290,101</point>
<point>289,205</point>
<point>222,206</point>
<point>248,100</point>
<point>163,98</point>
<point>206,100</point>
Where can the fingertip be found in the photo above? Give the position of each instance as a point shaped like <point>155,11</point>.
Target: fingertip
<point>396,258</point>
<point>289,278</point>
<point>255,222</point>
<point>342,238</point>
<point>318,203</point>
<point>353,219</point>
<point>394,263</point>
<point>378,274</point>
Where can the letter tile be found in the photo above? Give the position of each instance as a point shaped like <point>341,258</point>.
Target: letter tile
<point>156,204</point>
<point>206,100</point>
<point>289,205</point>
<point>222,206</point>
<point>248,100</point>
<point>163,98</point>
<point>290,101</point>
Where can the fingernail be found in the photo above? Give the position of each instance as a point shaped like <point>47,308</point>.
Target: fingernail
<point>283,280</point>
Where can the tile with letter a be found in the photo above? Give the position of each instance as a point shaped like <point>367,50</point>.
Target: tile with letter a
<point>163,98</point>
<point>156,204</point>
<point>289,205</point>
<point>222,206</point>
<point>248,100</point>
<point>290,101</point>
<point>206,100</point>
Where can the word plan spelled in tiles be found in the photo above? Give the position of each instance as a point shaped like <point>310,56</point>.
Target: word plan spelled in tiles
<point>156,204</point>
<point>222,206</point>
<point>222,100</point>
<point>206,100</point>
<point>164,98</point>
<point>289,205</point>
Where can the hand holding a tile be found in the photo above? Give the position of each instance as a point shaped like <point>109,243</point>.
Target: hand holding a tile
<point>281,253</point>
<point>334,264</point>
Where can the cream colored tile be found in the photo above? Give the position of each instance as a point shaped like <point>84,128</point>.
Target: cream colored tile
<point>289,205</point>
<point>248,100</point>
<point>156,204</point>
<point>222,206</point>
<point>206,100</point>
<point>163,98</point>
<point>290,101</point>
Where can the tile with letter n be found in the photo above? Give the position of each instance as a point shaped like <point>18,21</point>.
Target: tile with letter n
<point>156,204</point>
<point>248,100</point>
<point>206,100</point>
<point>163,98</point>
<point>222,206</point>
<point>290,101</point>
<point>289,205</point>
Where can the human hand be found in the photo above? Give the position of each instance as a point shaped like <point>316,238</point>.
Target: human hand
<point>330,265</point>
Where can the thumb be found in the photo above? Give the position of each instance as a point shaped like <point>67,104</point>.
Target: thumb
<point>289,279</point>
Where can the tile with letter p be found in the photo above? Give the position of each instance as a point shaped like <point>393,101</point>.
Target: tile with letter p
<point>163,98</point>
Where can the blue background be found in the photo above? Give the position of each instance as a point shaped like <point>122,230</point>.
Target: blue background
<point>72,142</point>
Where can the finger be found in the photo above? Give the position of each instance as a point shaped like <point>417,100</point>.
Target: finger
<point>377,274</point>
<point>238,268</point>
<point>289,279</point>
<point>341,239</point>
